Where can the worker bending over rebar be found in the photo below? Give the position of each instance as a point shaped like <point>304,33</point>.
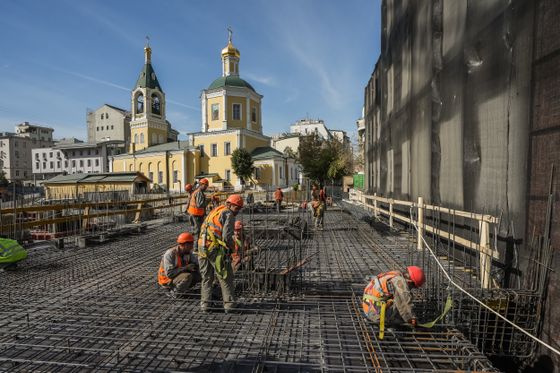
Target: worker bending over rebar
<point>178,270</point>
<point>388,296</point>
<point>215,246</point>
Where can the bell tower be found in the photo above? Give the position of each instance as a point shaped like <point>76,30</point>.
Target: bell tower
<point>148,125</point>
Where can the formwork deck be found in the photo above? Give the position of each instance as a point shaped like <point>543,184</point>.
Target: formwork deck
<point>100,309</point>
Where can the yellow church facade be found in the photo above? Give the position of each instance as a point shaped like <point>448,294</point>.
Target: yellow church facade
<point>231,119</point>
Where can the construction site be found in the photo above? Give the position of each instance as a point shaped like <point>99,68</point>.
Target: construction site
<point>87,298</point>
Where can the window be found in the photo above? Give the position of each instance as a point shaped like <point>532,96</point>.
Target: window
<point>228,175</point>
<point>214,148</point>
<point>58,155</point>
<point>89,152</point>
<point>51,164</point>
<point>151,175</point>
<point>106,115</point>
<point>89,162</point>
<point>112,127</point>
<point>101,128</point>
<point>280,173</point>
<point>136,138</point>
<point>16,154</point>
<point>140,104</point>
<point>155,105</point>
<point>73,153</point>
<point>254,114</point>
<point>227,148</point>
<point>236,111</point>
<point>73,163</point>
<point>102,115</point>
<point>81,152</point>
<point>215,111</point>
<point>160,177</point>
<point>97,162</point>
<point>44,165</point>
<point>201,150</point>
<point>58,164</point>
<point>96,151</point>
<point>81,163</point>
<point>50,154</point>
<point>36,155</point>
<point>17,172</point>
<point>37,165</point>
<point>175,176</point>
<point>65,164</point>
<point>257,173</point>
<point>141,138</point>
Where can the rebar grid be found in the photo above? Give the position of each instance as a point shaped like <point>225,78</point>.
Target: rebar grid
<point>100,309</point>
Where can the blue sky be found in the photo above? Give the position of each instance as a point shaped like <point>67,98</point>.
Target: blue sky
<point>307,57</point>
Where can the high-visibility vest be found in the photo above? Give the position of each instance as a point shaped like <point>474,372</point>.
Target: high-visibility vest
<point>211,229</point>
<point>193,209</point>
<point>11,251</point>
<point>162,277</point>
<point>278,195</point>
<point>377,292</point>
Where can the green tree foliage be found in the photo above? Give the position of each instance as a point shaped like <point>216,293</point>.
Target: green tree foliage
<point>242,164</point>
<point>323,159</point>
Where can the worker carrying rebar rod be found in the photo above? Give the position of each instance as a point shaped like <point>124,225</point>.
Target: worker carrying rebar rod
<point>197,207</point>
<point>391,290</point>
<point>278,198</point>
<point>178,270</point>
<point>215,245</point>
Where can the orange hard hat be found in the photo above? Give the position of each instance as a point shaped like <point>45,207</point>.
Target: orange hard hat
<point>416,275</point>
<point>238,225</point>
<point>235,199</point>
<point>188,187</point>
<point>185,237</point>
<point>204,181</point>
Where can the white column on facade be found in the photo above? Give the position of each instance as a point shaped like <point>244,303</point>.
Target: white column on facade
<point>183,164</point>
<point>274,175</point>
<point>248,111</point>
<point>224,110</point>
<point>204,112</point>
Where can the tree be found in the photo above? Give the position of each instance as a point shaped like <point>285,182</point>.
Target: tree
<point>3,180</point>
<point>242,164</point>
<point>323,159</point>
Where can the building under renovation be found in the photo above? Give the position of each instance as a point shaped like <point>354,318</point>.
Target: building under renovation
<point>463,110</point>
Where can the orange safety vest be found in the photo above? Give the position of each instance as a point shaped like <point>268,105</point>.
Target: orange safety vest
<point>278,195</point>
<point>193,209</point>
<point>212,223</point>
<point>162,277</point>
<point>377,291</point>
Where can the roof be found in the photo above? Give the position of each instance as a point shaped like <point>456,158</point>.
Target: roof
<point>97,178</point>
<point>230,81</point>
<point>265,152</point>
<point>116,108</point>
<point>168,146</point>
<point>148,78</point>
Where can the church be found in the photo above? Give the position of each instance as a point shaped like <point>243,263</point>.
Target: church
<point>231,119</point>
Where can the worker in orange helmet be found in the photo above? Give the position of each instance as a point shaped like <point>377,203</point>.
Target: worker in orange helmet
<point>241,249</point>
<point>178,270</point>
<point>197,206</point>
<point>215,246</point>
<point>391,291</point>
<point>188,190</point>
<point>278,197</point>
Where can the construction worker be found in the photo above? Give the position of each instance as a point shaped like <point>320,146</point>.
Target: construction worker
<point>318,212</point>
<point>241,247</point>
<point>197,206</point>
<point>215,246</point>
<point>11,253</point>
<point>314,192</point>
<point>188,190</point>
<point>278,197</point>
<point>178,270</point>
<point>392,289</point>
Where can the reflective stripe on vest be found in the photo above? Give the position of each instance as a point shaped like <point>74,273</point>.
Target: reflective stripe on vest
<point>193,208</point>
<point>377,292</point>
<point>162,277</point>
<point>211,230</point>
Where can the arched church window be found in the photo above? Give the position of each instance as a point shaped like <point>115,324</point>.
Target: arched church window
<point>136,138</point>
<point>141,138</point>
<point>156,107</point>
<point>140,104</point>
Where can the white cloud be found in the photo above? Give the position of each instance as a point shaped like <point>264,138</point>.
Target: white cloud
<point>266,80</point>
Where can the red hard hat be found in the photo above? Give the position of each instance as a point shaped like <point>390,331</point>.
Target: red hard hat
<point>188,187</point>
<point>235,199</point>
<point>204,181</point>
<point>416,275</point>
<point>238,225</point>
<point>185,237</point>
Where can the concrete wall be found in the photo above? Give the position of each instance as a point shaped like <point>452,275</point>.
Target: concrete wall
<point>107,122</point>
